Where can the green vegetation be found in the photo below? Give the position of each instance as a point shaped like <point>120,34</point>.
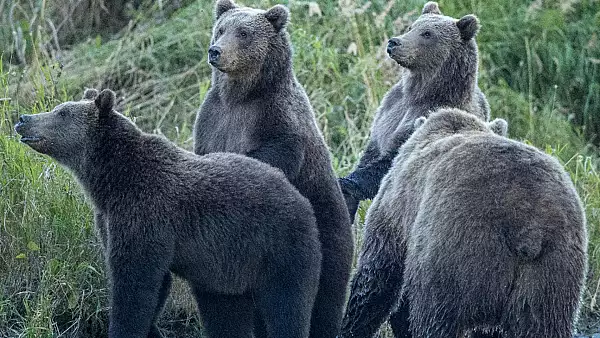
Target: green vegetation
<point>539,68</point>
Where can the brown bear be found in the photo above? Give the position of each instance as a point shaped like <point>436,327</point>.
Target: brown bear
<point>486,233</point>
<point>439,59</point>
<point>256,107</point>
<point>235,228</point>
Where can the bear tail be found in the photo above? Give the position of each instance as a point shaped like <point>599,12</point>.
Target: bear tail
<point>526,241</point>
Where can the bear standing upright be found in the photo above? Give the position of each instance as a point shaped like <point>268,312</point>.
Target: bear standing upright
<point>439,57</point>
<point>486,232</point>
<point>235,228</point>
<point>256,107</point>
<point>440,60</point>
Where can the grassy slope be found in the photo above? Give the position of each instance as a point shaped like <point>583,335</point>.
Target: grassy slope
<point>51,274</point>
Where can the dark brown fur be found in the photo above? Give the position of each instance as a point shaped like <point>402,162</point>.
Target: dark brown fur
<point>440,60</point>
<point>487,233</point>
<point>256,107</point>
<point>241,235</point>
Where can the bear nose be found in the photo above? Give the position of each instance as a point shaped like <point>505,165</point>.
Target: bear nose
<point>393,42</point>
<point>214,53</point>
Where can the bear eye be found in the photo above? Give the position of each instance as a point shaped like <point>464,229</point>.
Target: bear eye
<point>62,113</point>
<point>243,34</point>
<point>221,31</point>
<point>426,34</point>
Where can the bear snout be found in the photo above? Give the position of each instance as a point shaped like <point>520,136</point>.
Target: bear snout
<point>23,128</point>
<point>22,120</point>
<point>393,42</point>
<point>214,54</point>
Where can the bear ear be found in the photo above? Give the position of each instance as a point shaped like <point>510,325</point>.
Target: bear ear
<point>419,122</point>
<point>499,127</point>
<point>89,94</point>
<point>105,101</point>
<point>468,26</point>
<point>278,16</point>
<point>223,6</point>
<point>431,8</point>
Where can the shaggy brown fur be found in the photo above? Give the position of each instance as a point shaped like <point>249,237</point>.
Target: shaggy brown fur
<point>439,56</point>
<point>256,107</point>
<point>486,233</point>
<point>241,235</point>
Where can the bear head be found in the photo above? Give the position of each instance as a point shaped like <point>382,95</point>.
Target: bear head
<point>448,121</point>
<point>64,133</point>
<point>244,37</point>
<point>432,39</point>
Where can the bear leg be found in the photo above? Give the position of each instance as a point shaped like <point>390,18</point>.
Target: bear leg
<point>162,298</point>
<point>226,316</point>
<point>399,320</point>
<point>545,298</point>
<point>328,308</point>
<point>400,323</point>
<point>375,289</point>
<point>432,319</point>
<point>134,297</point>
<point>286,309</point>
<point>260,330</point>
<point>337,247</point>
<point>286,295</point>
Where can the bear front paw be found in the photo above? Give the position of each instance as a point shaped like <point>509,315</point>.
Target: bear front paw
<point>351,193</point>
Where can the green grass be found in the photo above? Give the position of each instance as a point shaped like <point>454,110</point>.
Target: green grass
<point>538,68</point>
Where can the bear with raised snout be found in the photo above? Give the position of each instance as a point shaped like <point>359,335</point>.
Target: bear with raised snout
<point>233,227</point>
<point>439,59</point>
<point>487,233</point>
<point>256,107</point>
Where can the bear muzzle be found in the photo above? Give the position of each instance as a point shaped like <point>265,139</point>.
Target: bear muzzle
<point>400,51</point>
<point>22,128</point>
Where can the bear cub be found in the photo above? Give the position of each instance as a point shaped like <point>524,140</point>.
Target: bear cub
<point>439,59</point>
<point>233,227</point>
<point>486,233</point>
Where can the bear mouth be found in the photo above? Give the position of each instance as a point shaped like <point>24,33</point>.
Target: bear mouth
<point>30,139</point>
<point>395,53</point>
<point>27,139</point>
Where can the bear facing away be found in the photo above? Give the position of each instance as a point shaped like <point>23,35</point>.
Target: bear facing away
<point>241,235</point>
<point>256,107</point>
<point>439,57</point>
<point>481,231</point>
